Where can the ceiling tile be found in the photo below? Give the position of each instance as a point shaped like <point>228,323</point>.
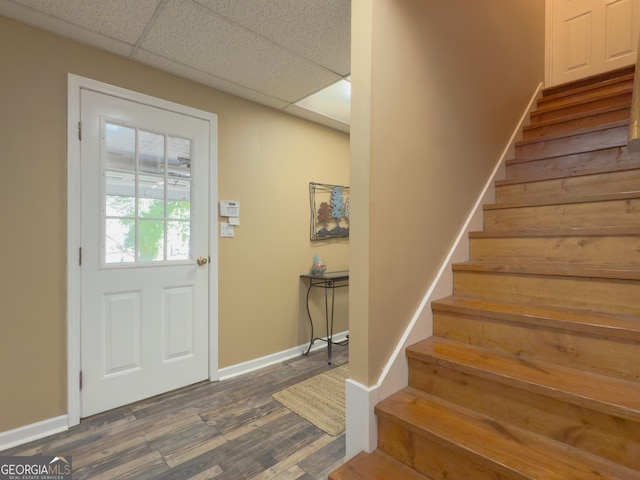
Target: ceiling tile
<point>123,20</point>
<point>195,36</point>
<point>64,29</point>
<point>162,63</point>
<point>273,52</point>
<point>318,30</point>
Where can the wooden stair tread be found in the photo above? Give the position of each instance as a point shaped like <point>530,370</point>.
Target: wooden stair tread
<point>595,323</point>
<point>571,133</point>
<point>574,116</point>
<point>611,94</point>
<point>621,146</point>
<point>559,176</point>
<point>618,272</point>
<point>566,201</point>
<point>614,396</point>
<point>516,452</point>
<point>568,232</point>
<point>621,87</point>
<point>376,465</point>
<point>593,82</point>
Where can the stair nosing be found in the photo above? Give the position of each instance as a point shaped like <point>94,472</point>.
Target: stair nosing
<point>576,116</point>
<point>536,378</point>
<point>502,435</point>
<point>568,90</point>
<point>559,318</point>
<point>545,105</point>
<point>520,159</point>
<point>607,197</point>
<point>572,133</point>
<point>602,171</point>
<point>552,269</point>
<point>568,232</point>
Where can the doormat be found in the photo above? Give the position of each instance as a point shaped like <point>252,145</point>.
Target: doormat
<point>319,399</point>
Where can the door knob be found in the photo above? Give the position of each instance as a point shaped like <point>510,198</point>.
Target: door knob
<point>202,261</point>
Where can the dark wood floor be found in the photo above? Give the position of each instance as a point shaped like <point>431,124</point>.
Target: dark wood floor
<point>227,430</point>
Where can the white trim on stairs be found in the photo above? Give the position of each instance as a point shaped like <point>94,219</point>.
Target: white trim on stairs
<point>362,434</point>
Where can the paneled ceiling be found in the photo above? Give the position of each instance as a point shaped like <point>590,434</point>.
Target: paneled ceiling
<point>273,52</point>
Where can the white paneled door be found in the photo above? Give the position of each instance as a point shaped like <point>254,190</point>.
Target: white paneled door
<point>587,37</point>
<point>144,267</point>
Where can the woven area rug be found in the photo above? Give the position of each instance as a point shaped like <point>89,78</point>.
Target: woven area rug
<point>319,399</point>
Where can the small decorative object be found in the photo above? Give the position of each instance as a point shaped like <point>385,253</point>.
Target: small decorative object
<point>318,267</point>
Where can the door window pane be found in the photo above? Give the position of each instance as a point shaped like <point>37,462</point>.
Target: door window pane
<point>120,144</point>
<point>150,196</point>
<point>147,203</point>
<point>151,152</point>
<point>178,235</point>
<point>150,240</point>
<point>120,206</point>
<point>179,199</point>
<point>179,157</point>
<point>120,240</point>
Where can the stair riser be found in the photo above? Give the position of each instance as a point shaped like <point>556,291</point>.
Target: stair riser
<point>614,296</point>
<point>549,113</point>
<point>563,347</point>
<point>606,250</point>
<point>571,187</point>
<point>621,86</point>
<point>569,125</point>
<point>605,435</point>
<point>611,137</point>
<point>582,163</point>
<point>435,457</point>
<point>610,213</point>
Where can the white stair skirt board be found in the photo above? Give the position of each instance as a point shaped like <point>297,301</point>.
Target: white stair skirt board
<point>35,431</point>
<point>362,433</point>
<point>362,428</point>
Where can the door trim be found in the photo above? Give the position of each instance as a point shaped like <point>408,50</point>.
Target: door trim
<point>75,85</point>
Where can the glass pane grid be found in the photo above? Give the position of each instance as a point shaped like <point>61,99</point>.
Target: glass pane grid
<point>147,214</point>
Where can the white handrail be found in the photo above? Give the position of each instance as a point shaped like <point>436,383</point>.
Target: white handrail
<point>633,144</point>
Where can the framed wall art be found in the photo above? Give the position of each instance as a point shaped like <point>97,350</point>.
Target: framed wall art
<point>330,211</point>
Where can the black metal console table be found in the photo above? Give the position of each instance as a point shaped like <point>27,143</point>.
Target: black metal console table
<point>328,281</point>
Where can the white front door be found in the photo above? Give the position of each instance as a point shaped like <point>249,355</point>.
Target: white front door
<point>587,37</point>
<point>144,237</point>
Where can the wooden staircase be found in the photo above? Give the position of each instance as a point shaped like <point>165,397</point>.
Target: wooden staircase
<point>533,371</point>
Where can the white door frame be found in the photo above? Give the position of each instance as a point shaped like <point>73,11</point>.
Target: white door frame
<point>75,84</point>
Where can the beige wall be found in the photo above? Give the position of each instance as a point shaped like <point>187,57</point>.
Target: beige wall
<point>438,87</point>
<point>266,160</point>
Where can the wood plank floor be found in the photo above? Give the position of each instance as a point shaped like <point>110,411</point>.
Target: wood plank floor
<point>227,430</point>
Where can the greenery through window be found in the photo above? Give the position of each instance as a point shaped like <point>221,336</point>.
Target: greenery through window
<point>147,196</point>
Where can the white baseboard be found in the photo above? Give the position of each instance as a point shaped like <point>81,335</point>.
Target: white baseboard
<point>35,431</point>
<point>258,363</point>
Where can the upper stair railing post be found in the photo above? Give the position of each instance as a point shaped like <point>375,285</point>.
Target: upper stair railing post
<point>633,144</point>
